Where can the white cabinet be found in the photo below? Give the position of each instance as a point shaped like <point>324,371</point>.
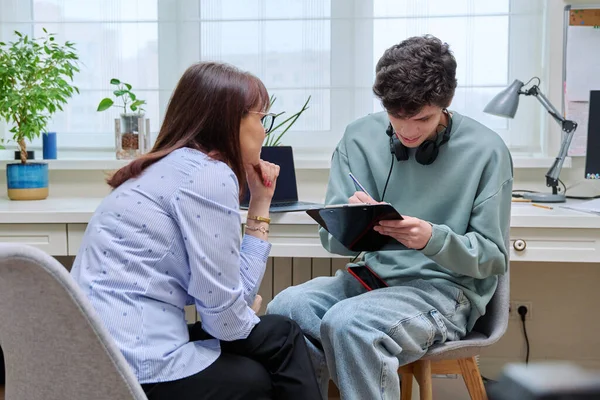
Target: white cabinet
<point>526,244</point>
<point>51,238</point>
<point>57,226</point>
<point>74,236</point>
<point>555,245</point>
<point>301,240</point>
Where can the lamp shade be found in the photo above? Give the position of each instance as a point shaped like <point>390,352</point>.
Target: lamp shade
<point>505,103</point>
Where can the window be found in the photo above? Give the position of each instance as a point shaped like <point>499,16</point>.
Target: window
<point>323,48</point>
<point>494,42</point>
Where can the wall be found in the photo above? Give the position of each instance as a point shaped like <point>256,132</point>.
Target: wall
<point>564,297</point>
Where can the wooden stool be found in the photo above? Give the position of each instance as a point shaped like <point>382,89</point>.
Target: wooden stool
<point>423,369</point>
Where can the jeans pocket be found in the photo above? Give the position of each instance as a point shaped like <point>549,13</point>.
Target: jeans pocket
<point>455,302</point>
<point>442,329</point>
<point>463,304</point>
<point>414,334</point>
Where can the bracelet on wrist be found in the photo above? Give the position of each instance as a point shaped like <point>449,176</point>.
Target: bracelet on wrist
<point>259,219</point>
<point>261,229</point>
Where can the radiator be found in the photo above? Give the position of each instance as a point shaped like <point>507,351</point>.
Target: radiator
<point>283,272</point>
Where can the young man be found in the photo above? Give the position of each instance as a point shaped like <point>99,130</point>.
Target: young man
<point>452,183</point>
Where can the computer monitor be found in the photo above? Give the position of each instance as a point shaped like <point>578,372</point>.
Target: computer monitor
<point>592,158</point>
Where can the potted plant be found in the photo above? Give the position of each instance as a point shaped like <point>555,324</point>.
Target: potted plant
<point>132,130</point>
<point>272,149</point>
<point>36,76</point>
<point>273,138</point>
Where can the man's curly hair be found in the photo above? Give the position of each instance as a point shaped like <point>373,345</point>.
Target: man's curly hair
<point>419,71</point>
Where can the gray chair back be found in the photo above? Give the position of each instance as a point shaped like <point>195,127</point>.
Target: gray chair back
<point>55,346</point>
<point>488,329</point>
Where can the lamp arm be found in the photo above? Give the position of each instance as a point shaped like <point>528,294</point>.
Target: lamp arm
<point>535,91</point>
<point>568,127</point>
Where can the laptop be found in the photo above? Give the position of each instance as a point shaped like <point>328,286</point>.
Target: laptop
<point>285,198</point>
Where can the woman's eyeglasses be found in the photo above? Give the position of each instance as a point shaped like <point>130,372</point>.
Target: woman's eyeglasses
<point>268,119</point>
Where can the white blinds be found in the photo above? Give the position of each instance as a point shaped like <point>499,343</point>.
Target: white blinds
<point>324,48</point>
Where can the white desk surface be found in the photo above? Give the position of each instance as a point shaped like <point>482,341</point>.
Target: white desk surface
<point>80,210</point>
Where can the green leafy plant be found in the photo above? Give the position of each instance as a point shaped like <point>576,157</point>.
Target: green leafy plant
<point>127,97</point>
<point>36,76</point>
<point>273,137</point>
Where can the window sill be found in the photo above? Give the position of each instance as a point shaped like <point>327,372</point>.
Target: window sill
<point>302,162</point>
<point>111,165</point>
<point>81,165</point>
<point>538,162</point>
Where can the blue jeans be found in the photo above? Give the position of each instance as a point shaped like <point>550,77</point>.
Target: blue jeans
<point>359,338</point>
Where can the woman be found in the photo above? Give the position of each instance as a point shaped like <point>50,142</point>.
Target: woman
<point>169,235</point>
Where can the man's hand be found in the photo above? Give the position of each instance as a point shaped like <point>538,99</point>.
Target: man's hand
<point>412,232</point>
<point>361,198</point>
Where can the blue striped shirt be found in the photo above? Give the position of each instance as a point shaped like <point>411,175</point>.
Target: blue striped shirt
<point>170,238</point>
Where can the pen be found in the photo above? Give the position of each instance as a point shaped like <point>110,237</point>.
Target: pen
<point>358,185</point>
<point>541,206</point>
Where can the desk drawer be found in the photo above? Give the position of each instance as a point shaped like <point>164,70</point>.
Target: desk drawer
<point>286,240</point>
<point>75,236</point>
<point>51,238</point>
<point>300,240</point>
<point>554,245</point>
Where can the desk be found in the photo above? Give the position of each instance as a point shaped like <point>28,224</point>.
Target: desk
<point>56,225</point>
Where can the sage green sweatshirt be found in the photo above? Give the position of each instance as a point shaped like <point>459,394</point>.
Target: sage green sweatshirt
<point>465,194</point>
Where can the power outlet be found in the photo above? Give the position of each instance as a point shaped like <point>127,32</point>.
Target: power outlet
<point>514,306</point>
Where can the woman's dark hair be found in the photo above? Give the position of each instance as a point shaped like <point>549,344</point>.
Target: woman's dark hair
<point>419,71</point>
<point>204,113</point>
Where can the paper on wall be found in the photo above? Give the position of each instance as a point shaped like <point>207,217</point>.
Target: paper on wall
<point>578,111</point>
<point>583,62</point>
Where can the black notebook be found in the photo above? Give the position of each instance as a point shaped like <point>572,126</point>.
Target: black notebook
<point>352,225</point>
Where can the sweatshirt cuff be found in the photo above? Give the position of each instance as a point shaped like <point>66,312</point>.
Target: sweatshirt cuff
<point>256,248</point>
<point>436,241</point>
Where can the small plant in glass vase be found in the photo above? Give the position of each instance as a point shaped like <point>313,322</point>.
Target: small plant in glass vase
<point>132,130</point>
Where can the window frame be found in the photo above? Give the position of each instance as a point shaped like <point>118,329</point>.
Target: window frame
<point>351,71</point>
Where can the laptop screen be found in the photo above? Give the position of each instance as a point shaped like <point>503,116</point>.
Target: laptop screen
<point>592,159</point>
<point>286,189</point>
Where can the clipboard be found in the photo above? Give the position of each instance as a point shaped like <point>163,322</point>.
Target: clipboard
<point>352,225</point>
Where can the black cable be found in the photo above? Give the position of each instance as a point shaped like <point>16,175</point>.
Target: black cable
<point>535,77</point>
<point>564,186</point>
<point>526,339</point>
<point>382,197</point>
<point>522,310</point>
<point>515,193</point>
<point>388,178</point>
<point>583,197</point>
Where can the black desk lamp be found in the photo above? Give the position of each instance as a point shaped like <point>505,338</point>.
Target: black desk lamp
<point>505,104</point>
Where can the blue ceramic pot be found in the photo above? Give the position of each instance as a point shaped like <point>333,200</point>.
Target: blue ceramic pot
<point>27,181</point>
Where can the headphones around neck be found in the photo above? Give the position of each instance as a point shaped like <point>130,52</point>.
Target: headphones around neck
<point>427,151</point>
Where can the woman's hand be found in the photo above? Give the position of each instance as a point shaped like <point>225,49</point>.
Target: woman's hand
<point>262,179</point>
<point>257,303</point>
